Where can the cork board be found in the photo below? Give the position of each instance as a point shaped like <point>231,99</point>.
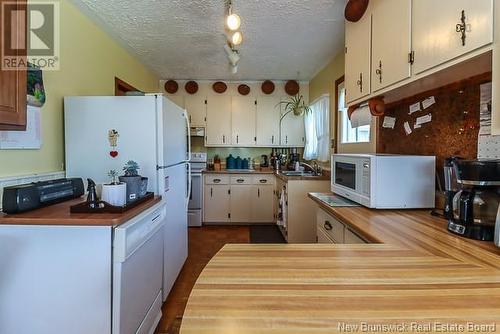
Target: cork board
<point>453,130</point>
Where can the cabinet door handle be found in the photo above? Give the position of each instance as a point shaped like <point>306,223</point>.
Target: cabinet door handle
<point>328,226</point>
<point>286,139</point>
<point>217,180</point>
<point>360,82</point>
<point>263,181</point>
<point>272,139</point>
<point>258,192</point>
<point>223,139</point>
<point>237,139</point>
<point>240,180</point>
<point>211,192</point>
<point>378,71</point>
<point>462,28</point>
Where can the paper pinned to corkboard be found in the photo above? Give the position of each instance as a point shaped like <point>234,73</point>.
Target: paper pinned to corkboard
<point>31,139</point>
<point>488,146</point>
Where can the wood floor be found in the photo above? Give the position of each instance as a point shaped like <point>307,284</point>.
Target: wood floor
<point>204,243</point>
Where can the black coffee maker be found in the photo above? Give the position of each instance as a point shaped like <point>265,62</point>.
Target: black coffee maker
<point>475,205</point>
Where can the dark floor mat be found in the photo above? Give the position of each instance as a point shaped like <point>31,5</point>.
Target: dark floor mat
<point>266,234</point>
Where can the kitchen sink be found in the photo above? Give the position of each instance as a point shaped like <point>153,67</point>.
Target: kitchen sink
<point>294,173</point>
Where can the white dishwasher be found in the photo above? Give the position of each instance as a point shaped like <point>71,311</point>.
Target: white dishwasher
<point>138,272</point>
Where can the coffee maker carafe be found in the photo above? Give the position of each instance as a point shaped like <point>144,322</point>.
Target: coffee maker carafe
<point>451,186</point>
<point>475,205</point>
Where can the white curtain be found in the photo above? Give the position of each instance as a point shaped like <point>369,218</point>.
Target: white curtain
<point>317,126</point>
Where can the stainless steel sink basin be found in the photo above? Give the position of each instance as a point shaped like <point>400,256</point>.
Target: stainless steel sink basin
<point>293,173</point>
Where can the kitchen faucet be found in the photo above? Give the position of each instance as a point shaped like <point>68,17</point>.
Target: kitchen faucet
<point>314,167</point>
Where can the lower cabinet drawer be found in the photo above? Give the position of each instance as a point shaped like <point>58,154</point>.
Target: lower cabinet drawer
<point>331,226</point>
<point>241,179</point>
<point>216,179</point>
<point>323,238</point>
<point>352,238</point>
<point>263,179</point>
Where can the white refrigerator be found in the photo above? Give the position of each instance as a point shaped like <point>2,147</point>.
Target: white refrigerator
<point>153,131</point>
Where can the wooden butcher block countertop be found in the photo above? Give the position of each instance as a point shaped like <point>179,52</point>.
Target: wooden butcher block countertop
<point>416,278</point>
<point>59,214</point>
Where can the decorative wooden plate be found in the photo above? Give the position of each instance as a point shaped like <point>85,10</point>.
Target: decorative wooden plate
<point>191,87</point>
<point>243,89</point>
<point>267,87</point>
<point>219,87</point>
<point>377,106</point>
<point>355,9</point>
<point>171,86</point>
<point>292,87</point>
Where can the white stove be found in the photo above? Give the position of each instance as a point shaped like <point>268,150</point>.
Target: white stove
<point>198,162</point>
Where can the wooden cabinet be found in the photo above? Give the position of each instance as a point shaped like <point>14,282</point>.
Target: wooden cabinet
<point>243,111</point>
<point>196,106</point>
<point>263,203</point>
<point>391,37</point>
<point>292,129</point>
<point>216,203</point>
<point>218,130</point>
<point>267,121</point>
<point>323,238</point>
<point>436,35</point>
<point>241,121</point>
<point>331,230</point>
<point>238,198</point>
<point>357,57</point>
<point>13,83</point>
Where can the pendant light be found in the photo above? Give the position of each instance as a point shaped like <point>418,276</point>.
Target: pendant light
<point>233,21</point>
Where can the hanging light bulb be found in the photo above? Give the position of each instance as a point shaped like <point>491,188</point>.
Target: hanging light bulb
<point>236,38</point>
<point>233,21</point>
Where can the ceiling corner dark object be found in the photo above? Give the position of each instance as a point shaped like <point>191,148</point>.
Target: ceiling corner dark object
<point>355,9</point>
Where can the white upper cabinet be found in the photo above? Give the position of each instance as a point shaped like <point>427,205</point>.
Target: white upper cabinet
<point>218,131</point>
<point>243,121</point>
<point>196,108</point>
<point>357,58</point>
<point>437,33</point>
<point>292,129</point>
<point>267,122</point>
<point>391,36</point>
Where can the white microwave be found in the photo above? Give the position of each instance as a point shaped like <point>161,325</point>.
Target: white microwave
<point>382,181</point>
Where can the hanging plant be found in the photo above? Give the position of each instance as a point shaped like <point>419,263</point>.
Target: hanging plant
<point>296,105</point>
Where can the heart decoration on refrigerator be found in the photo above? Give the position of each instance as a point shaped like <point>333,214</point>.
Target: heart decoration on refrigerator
<point>113,136</point>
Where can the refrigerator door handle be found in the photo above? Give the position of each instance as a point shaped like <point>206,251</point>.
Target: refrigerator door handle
<point>190,183</point>
<point>186,116</point>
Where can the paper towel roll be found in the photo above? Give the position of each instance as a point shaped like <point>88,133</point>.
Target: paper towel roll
<point>361,117</point>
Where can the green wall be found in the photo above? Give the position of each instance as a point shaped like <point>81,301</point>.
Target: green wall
<point>90,60</point>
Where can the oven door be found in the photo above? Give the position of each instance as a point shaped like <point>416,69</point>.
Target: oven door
<point>195,200</point>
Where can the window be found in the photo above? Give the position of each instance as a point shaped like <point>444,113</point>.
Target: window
<point>349,134</point>
<point>317,126</point>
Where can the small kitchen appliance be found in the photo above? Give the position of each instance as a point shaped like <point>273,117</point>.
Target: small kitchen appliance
<point>383,181</point>
<point>451,186</point>
<point>475,206</point>
<point>26,197</point>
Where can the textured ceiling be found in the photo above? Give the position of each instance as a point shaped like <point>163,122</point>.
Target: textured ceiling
<point>183,39</point>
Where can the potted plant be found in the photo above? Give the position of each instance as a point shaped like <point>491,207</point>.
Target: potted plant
<point>132,179</point>
<point>115,192</point>
<point>295,105</point>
